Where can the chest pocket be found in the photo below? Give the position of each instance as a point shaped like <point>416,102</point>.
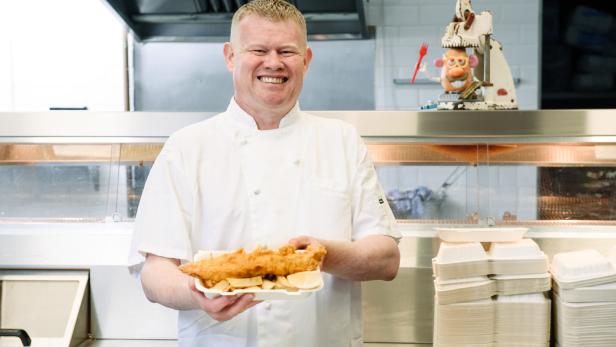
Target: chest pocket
<point>326,209</point>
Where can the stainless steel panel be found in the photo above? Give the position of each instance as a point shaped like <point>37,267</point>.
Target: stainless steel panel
<point>87,126</point>
<point>400,311</point>
<point>171,76</point>
<point>130,343</point>
<point>406,126</point>
<point>488,126</point>
<point>113,290</point>
<point>340,76</point>
<point>193,77</point>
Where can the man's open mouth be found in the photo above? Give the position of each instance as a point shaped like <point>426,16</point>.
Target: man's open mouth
<point>273,80</point>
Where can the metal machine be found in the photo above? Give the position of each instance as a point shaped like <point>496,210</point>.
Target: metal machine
<point>492,86</point>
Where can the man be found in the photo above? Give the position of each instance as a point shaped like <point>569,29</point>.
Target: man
<point>265,173</point>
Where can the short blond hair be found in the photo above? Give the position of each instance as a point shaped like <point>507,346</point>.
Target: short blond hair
<point>273,10</point>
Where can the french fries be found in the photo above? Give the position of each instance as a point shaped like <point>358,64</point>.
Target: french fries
<point>245,282</point>
<point>292,283</point>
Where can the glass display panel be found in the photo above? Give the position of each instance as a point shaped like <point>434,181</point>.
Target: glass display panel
<point>56,181</point>
<point>501,183</point>
<point>424,182</point>
<point>73,182</point>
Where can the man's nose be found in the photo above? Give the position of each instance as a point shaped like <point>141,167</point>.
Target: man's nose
<point>273,60</point>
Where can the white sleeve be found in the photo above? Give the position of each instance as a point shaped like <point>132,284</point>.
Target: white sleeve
<point>163,222</point>
<point>371,212</point>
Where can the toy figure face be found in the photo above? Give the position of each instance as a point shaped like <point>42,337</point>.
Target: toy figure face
<point>456,73</point>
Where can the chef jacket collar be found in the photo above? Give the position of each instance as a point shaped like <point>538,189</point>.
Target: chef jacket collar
<point>238,114</point>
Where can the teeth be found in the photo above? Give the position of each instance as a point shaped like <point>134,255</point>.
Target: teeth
<point>275,80</point>
<point>457,84</point>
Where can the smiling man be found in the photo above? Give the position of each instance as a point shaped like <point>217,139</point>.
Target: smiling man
<point>268,60</point>
<point>265,173</point>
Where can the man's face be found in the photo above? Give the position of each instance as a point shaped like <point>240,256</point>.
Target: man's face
<point>268,61</point>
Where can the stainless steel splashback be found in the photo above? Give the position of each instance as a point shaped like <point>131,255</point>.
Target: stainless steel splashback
<point>189,76</point>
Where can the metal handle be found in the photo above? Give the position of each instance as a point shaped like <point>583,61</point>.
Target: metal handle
<point>22,334</point>
<point>63,108</point>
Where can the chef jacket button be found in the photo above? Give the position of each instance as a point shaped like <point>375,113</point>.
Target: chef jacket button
<point>268,305</point>
<point>257,192</point>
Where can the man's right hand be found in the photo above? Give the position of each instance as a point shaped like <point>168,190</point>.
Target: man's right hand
<point>163,283</point>
<point>223,307</point>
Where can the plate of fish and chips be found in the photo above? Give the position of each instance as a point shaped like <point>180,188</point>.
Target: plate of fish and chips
<point>282,274</point>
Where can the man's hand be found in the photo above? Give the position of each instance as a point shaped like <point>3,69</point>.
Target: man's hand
<point>374,257</point>
<point>163,283</point>
<point>223,307</point>
<point>301,242</point>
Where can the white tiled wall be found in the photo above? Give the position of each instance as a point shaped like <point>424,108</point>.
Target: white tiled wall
<point>401,26</point>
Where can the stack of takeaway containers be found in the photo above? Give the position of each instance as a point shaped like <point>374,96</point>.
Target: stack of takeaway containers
<point>584,299</point>
<point>493,298</point>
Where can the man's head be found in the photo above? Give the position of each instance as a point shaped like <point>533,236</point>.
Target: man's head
<point>268,56</point>
<point>273,10</point>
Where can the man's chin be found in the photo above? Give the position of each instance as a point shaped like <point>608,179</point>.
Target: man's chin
<point>276,102</point>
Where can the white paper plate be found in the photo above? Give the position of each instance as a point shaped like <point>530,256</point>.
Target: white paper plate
<point>488,234</point>
<point>260,295</point>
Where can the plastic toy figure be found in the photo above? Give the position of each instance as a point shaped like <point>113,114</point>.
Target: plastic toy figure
<point>480,81</point>
<point>456,70</point>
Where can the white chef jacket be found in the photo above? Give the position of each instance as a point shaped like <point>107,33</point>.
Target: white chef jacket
<point>222,184</point>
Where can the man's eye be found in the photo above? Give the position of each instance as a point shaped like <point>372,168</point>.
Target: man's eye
<point>461,61</point>
<point>259,51</point>
<point>451,61</point>
<point>287,53</point>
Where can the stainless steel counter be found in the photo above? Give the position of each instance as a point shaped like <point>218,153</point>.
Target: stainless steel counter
<point>399,312</point>
<point>173,343</point>
<point>129,343</point>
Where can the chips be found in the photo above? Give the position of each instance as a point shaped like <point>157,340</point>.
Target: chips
<point>294,282</point>
<point>305,279</point>
<point>244,282</point>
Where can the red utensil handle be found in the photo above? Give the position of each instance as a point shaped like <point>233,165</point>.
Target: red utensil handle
<point>416,68</point>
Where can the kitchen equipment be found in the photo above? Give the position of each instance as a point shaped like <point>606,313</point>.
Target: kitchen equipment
<point>19,333</point>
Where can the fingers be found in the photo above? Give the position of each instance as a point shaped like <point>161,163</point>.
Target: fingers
<point>301,242</point>
<point>240,304</point>
<point>219,303</point>
<point>223,307</point>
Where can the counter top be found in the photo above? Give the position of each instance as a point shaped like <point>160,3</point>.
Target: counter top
<point>173,343</point>
<point>129,343</point>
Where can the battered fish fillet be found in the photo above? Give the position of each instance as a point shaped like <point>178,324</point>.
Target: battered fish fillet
<point>260,262</point>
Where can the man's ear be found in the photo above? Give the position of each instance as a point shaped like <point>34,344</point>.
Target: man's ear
<point>229,54</point>
<point>307,58</point>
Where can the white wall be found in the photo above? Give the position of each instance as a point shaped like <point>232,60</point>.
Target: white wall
<point>67,53</point>
<point>401,26</point>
